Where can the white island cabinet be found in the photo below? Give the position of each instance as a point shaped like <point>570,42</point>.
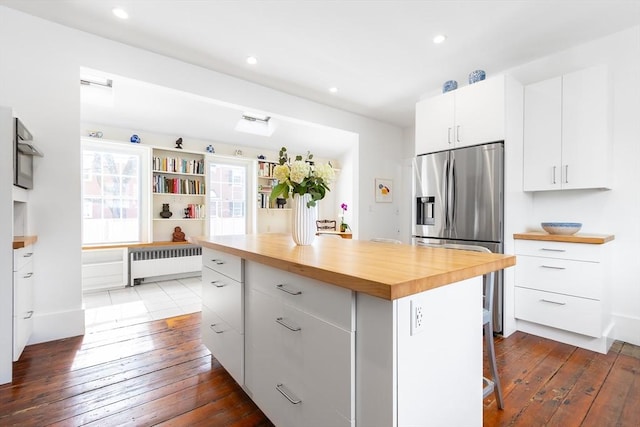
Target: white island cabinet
<point>356,333</point>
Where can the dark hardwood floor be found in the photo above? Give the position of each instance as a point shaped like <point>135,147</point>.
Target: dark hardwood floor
<point>159,373</point>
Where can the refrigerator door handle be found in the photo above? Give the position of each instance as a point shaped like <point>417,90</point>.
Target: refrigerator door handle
<point>446,192</point>
<point>452,196</point>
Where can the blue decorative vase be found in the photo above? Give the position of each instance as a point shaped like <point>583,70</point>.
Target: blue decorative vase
<point>476,76</point>
<point>449,85</point>
<point>210,149</point>
<point>135,139</point>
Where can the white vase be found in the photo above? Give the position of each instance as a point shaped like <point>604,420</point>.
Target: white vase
<point>303,229</point>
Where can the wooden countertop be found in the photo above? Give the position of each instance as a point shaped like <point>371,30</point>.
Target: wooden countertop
<point>595,239</point>
<point>385,270</point>
<point>20,242</point>
<point>134,245</point>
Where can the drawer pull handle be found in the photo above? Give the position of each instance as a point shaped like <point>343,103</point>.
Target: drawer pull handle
<point>290,292</point>
<point>553,250</point>
<point>218,261</point>
<point>214,329</point>
<point>281,321</point>
<point>27,255</point>
<point>286,393</point>
<point>553,267</point>
<point>218,284</point>
<point>553,302</point>
<point>29,314</point>
<point>26,276</point>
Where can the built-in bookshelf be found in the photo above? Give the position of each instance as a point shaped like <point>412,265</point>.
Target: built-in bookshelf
<point>178,180</point>
<point>266,182</point>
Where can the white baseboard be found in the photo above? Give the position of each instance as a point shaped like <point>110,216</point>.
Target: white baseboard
<point>55,326</point>
<point>627,329</point>
<point>601,344</point>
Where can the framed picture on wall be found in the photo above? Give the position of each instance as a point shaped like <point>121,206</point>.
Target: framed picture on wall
<point>384,190</point>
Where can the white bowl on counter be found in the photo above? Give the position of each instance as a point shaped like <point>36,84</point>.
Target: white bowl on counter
<point>566,228</point>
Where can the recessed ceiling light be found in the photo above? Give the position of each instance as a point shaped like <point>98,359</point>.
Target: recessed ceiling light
<point>439,38</point>
<point>252,60</point>
<point>333,89</point>
<point>120,13</point>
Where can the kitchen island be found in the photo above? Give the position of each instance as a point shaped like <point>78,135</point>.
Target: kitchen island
<point>348,332</point>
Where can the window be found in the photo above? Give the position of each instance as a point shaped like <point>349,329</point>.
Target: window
<point>114,193</point>
<point>227,194</point>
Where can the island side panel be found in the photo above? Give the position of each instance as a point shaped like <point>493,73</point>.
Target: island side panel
<point>432,376</point>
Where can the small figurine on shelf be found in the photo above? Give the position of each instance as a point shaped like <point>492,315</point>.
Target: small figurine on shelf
<point>179,143</point>
<point>135,139</point>
<point>261,157</point>
<point>187,213</point>
<point>280,202</point>
<point>178,235</point>
<point>165,211</point>
<point>210,149</point>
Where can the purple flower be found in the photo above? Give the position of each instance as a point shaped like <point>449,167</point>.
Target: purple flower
<point>343,207</point>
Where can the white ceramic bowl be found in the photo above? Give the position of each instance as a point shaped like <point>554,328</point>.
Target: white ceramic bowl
<point>566,228</point>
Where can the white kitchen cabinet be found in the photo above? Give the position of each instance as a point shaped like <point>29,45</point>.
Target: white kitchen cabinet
<point>223,310</point>
<point>567,132</point>
<point>299,348</point>
<point>561,292</point>
<point>22,299</point>
<point>470,115</point>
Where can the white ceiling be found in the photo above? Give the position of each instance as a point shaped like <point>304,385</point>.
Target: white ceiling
<point>378,54</point>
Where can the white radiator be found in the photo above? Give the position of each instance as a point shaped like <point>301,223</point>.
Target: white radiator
<point>146,262</point>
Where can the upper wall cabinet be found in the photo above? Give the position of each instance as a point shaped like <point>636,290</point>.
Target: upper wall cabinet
<point>567,142</point>
<point>471,115</point>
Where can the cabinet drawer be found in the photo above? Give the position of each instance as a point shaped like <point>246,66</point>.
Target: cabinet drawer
<point>330,303</point>
<point>224,263</point>
<point>264,380</point>
<point>560,250</point>
<point>313,357</point>
<point>224,296</point>
<point>225,344</point>
<point>581,279</point>
<point>580,315</point>
<point>21,257</point>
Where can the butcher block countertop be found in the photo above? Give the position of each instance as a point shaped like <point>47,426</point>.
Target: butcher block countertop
<point>20,242</point>
<point>384,270</point>
<point>594,239</point>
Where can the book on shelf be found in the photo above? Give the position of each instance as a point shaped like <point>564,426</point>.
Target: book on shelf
<point>178,165</point>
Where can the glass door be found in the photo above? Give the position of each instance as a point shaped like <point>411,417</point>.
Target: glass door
<point>227,196</point>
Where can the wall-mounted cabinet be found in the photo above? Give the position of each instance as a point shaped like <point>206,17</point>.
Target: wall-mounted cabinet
<point>471,115</point>
<point>179,181</point>
<point>567,133</point>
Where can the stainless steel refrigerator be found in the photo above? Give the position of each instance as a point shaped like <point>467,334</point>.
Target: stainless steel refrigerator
<point>458,199</point>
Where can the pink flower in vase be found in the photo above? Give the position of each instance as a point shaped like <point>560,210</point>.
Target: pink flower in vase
<point>343,225</point>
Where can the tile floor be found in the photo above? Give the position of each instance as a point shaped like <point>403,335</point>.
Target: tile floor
<point>142,303</point>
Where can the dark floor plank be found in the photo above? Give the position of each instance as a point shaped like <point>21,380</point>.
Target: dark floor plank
<point>614,406</point>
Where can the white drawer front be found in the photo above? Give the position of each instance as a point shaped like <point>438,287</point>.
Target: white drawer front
<point>310,356</point>
<point>327,302</point>
<point>562,250</point>
<point>580,315</point>
<point>224,263</point>
<point>225,344</point>
<point>224,296</point>
<point>582,279</point>
<point>263,382</point>
<point>21,257</point>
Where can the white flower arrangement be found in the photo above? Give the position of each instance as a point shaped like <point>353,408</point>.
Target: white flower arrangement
<point>300,176</point>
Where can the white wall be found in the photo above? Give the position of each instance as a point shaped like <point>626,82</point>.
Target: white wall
<point>607,212</point>
<point>6,243</point>
<point>44,86</point>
